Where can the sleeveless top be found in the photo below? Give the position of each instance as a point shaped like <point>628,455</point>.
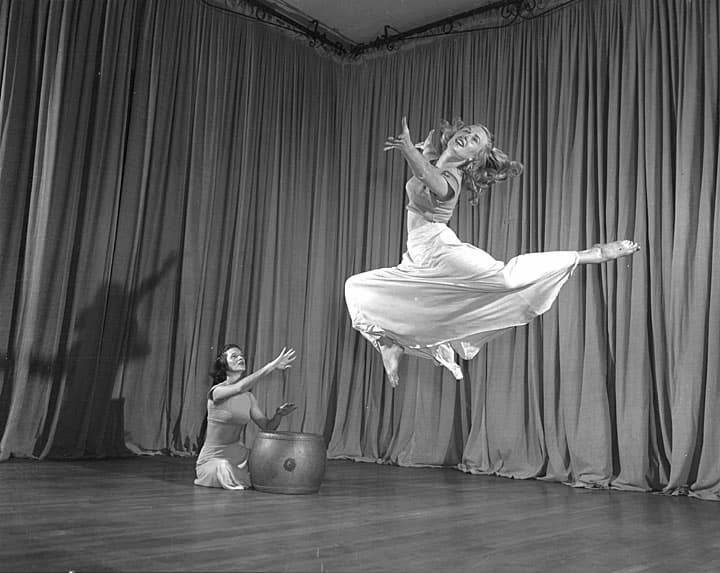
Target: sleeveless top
<point>233,410</point>
<point>423,202</point>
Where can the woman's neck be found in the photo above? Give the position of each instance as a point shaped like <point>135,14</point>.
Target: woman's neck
<point>448,160</point>
<point>233,377</point>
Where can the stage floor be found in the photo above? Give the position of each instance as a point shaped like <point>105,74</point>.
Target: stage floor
<point>145,514</point>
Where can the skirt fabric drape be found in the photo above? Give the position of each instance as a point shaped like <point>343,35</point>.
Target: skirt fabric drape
<point>223,465</point>
<point>448,297</point>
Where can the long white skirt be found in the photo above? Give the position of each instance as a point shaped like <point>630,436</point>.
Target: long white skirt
<point>223,465</point>
<point>447,296</point>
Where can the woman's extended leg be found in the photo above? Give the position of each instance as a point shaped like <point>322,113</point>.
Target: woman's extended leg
<point>603,252</point>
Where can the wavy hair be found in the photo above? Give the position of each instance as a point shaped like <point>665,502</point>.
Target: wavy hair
<point>480,174</point>
<point>220,366</point>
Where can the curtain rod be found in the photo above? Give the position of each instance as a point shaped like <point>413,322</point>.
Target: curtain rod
<point>317,34</point>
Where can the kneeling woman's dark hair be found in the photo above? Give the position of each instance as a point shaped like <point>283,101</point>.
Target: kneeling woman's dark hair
<point>219,371</point>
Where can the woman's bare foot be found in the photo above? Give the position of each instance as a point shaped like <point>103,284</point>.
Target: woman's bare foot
<point>391,354</point>
<point>603,252</point>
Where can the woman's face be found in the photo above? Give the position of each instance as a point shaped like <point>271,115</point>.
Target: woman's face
<point>469,141</point>
<point>235,360</point>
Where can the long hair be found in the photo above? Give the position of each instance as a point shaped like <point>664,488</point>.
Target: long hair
<point>480,174</point>
<point>220,366</point>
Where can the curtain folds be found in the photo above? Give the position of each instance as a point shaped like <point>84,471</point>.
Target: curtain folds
<point>174,177</point>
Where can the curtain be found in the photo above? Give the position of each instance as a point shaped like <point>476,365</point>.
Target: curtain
<point>613,109</point>
<point>174,177</point>
<point>161,197</point>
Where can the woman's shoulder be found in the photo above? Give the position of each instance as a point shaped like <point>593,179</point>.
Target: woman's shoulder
<point>453,175</point>
<point>247,393</point>
<point>215,387</point>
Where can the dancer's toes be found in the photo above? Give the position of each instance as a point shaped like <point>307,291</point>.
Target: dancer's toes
<point>391,360</point>
<point>617,249</point>
<point>455,370</point>
<point>394,379</point>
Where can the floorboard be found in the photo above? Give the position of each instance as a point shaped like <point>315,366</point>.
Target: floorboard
<point>145,514</point>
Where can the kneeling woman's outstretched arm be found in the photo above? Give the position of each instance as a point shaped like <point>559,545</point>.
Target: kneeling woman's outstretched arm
<point>270,424</point>
<point>281,362</point>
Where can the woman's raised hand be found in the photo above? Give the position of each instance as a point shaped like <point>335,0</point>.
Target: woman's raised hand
<point>402,141</point>
<point>284,359</point>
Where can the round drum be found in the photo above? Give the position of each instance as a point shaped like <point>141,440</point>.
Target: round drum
<point>287,462</point>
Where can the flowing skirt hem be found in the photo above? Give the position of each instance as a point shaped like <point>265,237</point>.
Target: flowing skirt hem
<point>448,297</point>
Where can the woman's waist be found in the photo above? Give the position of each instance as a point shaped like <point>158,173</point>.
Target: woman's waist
<point>421,229</point>
<point>228,416</point>
<point>417,220</point>
<point>428,215</point>
<point>223,434</point>
<point>235,452</point>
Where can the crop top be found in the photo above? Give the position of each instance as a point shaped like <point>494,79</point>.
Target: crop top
<point>233,410</point>
<point>423,202</point>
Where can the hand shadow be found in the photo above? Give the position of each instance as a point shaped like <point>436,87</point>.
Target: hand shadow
<point>106,334</point>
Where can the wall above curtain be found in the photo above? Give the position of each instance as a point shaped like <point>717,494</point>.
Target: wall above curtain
<point>352,31</point>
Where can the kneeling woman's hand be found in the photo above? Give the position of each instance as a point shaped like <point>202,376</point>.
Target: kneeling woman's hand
<point>284,359</point>
<point>286,409</point>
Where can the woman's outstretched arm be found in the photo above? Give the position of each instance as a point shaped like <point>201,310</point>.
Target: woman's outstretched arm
<point>421,168</point>
<point>270,424</point>
<point>281,362</point>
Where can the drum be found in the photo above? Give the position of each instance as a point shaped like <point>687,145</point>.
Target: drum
<point>287,462</point>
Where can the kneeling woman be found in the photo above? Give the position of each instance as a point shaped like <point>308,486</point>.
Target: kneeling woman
<point>222,461</point>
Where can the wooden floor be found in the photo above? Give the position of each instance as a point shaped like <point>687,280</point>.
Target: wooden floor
<point>144,514</point>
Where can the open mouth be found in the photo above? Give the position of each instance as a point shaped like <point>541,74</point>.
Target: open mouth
<point>460,141</point>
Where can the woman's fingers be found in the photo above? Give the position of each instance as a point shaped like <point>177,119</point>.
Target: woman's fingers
<point>287,356</point>
<point>394,143</point>
<point>401,140</point>
<point>405,129</point>
<point>287,352</point>
<point>287,408</point>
